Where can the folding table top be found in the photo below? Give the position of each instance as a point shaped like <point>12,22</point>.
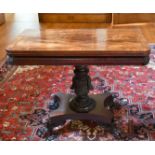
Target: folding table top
<point>79,43</point>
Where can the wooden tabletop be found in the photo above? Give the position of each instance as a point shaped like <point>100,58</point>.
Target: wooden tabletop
<point>80,42</point>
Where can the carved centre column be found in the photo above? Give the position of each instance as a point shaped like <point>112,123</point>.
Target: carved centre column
<point>82,103</point>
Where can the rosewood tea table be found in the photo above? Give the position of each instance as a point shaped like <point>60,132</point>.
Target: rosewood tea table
<point>80,47</point>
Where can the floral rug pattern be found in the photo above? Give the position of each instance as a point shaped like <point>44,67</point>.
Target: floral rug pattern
<point>24,109</point>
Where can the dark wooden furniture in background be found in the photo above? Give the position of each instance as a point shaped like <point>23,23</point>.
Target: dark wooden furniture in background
<point>109,18</point>
<point>2,18</point>
<point>126,18</point>
<point>75,17</point>
<point>80,47</point>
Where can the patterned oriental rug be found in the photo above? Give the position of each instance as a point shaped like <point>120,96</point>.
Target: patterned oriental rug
<point>26,90</point>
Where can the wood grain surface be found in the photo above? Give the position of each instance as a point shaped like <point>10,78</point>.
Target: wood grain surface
<point>80,42</point>
<point>75,17</point>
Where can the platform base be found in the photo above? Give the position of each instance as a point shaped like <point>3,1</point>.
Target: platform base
<point>98,114</point>
<point>84,107</point>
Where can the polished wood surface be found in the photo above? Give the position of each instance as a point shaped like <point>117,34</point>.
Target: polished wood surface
<point>75,17</point>
<point>148,30</point>
<point>125,18</point>
<point>13,26</point>
<point>16,23</point>
<point>80,42</point>
<point>2,18</point>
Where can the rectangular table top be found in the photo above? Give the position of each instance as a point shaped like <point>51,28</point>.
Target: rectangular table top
<point>80,43</point>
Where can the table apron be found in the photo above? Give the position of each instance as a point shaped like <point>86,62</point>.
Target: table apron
<point>108,60</point>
